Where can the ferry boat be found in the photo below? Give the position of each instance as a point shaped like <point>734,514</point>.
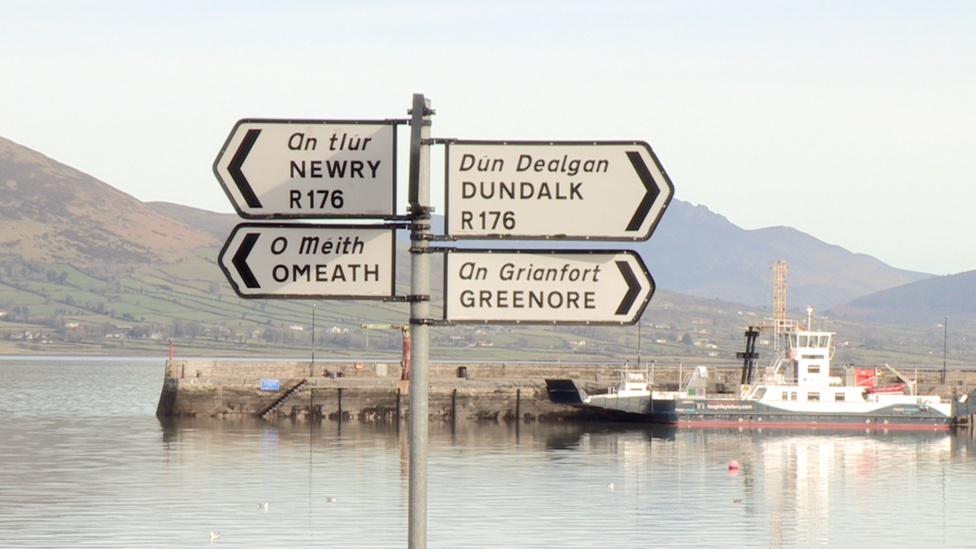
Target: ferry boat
<point>795,390</point>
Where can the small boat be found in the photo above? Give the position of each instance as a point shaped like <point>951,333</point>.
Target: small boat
<point>795,390</point>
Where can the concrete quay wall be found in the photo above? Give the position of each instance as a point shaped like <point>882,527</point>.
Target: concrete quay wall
<point>366,391</point>
<point>247,369</point>
<point>372,391</point>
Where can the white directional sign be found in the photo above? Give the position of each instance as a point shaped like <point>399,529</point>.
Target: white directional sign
<point>309,168</point>
<point>264,260</point>
<point>565,287</point>
<point>511,189</point>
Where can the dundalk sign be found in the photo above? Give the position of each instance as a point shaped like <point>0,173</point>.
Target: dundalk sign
<point>569,190</point>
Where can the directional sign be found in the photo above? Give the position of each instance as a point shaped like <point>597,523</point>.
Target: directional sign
<point>506,189</point>
<point>563,287</point>
<point>309,168</point>
<point>268,260</point>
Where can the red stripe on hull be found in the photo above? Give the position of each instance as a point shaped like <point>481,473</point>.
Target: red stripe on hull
<point>812,425</point>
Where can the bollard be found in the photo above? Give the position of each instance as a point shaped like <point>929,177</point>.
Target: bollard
<point>453,406</point>
<point>518,405</point>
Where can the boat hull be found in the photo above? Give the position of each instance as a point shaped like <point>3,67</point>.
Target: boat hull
<point>730,412</point>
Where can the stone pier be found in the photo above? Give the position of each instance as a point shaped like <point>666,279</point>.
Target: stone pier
<point>373,391</point>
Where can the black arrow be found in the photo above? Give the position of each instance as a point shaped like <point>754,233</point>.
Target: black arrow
<point>652,191</point>
<point>235,168</point>
<point>633,287</point>
<point>240,260</point>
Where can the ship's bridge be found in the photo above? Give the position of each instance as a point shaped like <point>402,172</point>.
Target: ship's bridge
<point>811,353</point>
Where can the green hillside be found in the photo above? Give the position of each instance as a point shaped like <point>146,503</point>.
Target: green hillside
<point>55,308</point>
<point>88,270</point>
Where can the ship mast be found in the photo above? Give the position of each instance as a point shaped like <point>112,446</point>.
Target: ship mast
<point>779,323</point>
<point>779,269</point>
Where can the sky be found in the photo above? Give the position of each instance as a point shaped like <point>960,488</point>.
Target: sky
<point>853,121</point>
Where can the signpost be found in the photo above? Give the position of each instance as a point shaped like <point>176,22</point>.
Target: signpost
<point>315,261</point>
<point>571,190</point>
<point>565,287</point>
<point>309,168</point>
<point>322,169</point>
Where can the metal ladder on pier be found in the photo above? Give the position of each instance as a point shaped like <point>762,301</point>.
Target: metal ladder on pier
<point>282,398</point>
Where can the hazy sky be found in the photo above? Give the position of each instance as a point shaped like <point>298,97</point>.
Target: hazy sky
<point>853,121</point>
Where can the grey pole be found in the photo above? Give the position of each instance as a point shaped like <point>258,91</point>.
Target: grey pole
<point>945,348</point>
<point>310,373</point>
<point>419,316</point>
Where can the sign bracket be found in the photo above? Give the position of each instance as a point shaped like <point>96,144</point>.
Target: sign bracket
<point>430,322</point>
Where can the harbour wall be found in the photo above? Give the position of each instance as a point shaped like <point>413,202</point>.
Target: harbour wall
<point>369,391</point>
<point>373,391</point>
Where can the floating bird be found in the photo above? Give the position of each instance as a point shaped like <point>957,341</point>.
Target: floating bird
<point>610,487</point>
<point>737,500</point>
<point>214,535</point>
<point>331,500</point>
<point>264,506</point>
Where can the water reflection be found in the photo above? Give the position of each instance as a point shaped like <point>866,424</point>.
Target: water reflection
<point>85,463</point>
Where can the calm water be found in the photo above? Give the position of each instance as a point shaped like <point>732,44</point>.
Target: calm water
<point>85,463</point>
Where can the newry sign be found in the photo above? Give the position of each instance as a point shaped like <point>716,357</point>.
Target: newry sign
<point>309,169</point>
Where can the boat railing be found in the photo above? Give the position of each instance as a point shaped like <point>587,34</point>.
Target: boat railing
<point>678,395</point>
<point>630,381</point>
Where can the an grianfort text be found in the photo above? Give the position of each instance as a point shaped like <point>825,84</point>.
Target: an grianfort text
<point>510,272</point>
<point>547,298</point>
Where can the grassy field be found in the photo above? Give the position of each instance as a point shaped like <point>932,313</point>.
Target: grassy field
<point>57,309</point>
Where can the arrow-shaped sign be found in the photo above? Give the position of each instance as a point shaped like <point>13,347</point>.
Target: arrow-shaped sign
<point>653,191</point>
<point>572,190</point>
<point>269,260</point>
<point>240,260</point>
<point>236,163</point>
<point>633,287</point>
<point>310,168</point>
<point>542,286</point>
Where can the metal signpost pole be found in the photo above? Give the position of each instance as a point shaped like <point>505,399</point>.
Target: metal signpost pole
<point>310,368</point>
<point>945,348</point>
<point>419,318</point>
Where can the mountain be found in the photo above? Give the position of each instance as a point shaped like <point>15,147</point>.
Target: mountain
<point>50,212</point>
<point>697,252</point>
<point>217,224</point>
<point>86,269</point>
<point>53,213</point>
<point>927,301</point>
